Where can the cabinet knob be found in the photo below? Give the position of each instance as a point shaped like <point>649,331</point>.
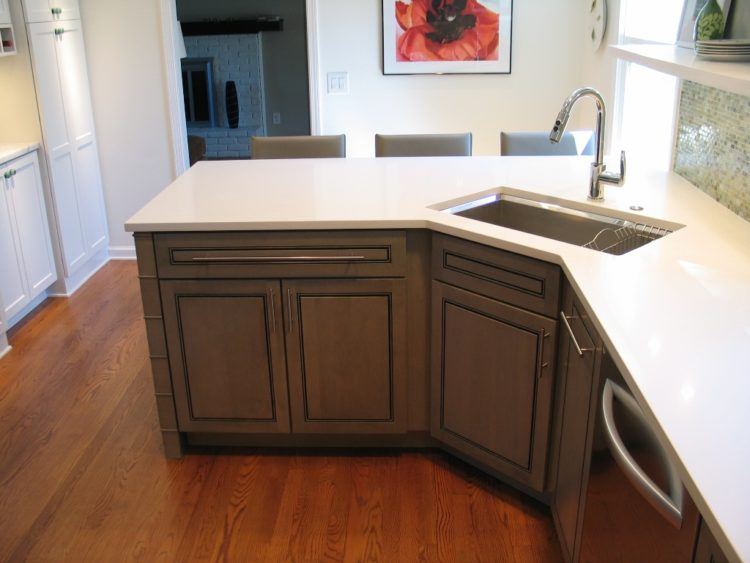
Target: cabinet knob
<point>59,31</point>
<point>12,172</point>
<point>56,11</point>
<point>7,174</point>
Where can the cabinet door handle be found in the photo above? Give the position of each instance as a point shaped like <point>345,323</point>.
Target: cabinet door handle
<point>289,307</point>
<point>668,505</point>
<point>56,11</point>
<point>579,350</point>
<point>7,175</point>
<point>59,31</point>
<point>273,310</point>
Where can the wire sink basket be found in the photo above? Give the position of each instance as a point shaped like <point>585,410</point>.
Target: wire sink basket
<point>623,239</point>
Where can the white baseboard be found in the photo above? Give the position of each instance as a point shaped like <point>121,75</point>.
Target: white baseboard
<point>73,283</point>
<point>4,346</point>
<point>122,252</point>
<point>38,300</point>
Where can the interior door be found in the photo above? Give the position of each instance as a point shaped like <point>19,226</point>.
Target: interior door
<point>346,352</point>
<point>77,101</point>
<point>13,286</point>
<point>492,373</point>
<point>60,149</point>
<point>33,228</point>
<point>226,352</point>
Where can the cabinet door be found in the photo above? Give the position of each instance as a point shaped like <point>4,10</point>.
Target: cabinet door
<point>31,219</point>
<point>13,286</point>
<point>578,373</point>
<point>492,372</point>
<point>4,12</point>
<point>346,351</point>
<point>226,351</point>
<point>51,10</point>
<point>77,101</point>
<point>60,149</point>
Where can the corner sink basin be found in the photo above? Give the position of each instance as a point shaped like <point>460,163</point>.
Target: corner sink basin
<point>582,228</point>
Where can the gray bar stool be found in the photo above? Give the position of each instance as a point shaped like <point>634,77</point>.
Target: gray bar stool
<point>322,146</point>
<point>423,145</point>
<point>538,144</point>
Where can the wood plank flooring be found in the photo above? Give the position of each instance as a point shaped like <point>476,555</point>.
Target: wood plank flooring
<point>83,478</point>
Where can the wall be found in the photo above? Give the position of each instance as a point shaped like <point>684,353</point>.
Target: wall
<point>713,147</point>
<point>284,55</point>
<point>127,76</point>
<point>235,57</point>
<point>546,66</point>
<point>19,117</point>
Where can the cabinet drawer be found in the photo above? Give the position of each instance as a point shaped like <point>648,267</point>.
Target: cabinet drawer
<point>525,282</point>
<point>281,254</point>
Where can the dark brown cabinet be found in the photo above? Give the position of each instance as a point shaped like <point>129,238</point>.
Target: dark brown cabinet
<point>346,349</point>
<point>226,351</point>
<point>579,359</point>
<point>492,376</point>
<point>707,549</point>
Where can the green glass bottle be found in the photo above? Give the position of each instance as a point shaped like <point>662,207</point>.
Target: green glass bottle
<point>710,22</point>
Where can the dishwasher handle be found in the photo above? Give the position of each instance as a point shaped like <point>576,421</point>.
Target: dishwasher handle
<point>670,505</point>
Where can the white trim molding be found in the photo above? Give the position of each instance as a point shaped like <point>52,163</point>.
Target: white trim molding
<point>313,66</point>
<point>122,252</point>
<point>176,106</point>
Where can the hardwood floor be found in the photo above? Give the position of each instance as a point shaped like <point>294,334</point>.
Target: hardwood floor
<point>83,478</point>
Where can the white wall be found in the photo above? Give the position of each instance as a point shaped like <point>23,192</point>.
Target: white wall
<point>123,46</point>
<point>546,67</point>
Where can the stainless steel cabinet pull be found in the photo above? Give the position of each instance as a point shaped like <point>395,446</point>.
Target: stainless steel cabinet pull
<point>289,306</point>
<point>275,258</point>
<point>669,506</point>
<point>573,336</point>
<point>273,311</point>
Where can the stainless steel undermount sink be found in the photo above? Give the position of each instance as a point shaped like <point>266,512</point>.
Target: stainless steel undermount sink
<point>582,228</point>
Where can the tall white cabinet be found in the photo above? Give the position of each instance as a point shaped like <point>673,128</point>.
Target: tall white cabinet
<point>62,86</point>
<point>28,264</point>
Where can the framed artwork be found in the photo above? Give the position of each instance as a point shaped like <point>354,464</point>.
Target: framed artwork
<point>690,11</point>
<point>447,36</point>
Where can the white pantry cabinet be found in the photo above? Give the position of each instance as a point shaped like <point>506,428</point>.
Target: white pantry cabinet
<point>50,10</point>
<point>4,12</point>
<point>62,87</point>
<point>25,244</point>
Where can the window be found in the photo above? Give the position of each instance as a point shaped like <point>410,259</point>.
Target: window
<point>647,99</point>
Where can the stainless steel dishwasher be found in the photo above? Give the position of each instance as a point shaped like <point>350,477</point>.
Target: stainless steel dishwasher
<point>636,508</point>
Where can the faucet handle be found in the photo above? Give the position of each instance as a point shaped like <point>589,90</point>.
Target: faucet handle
<point>615,177</point>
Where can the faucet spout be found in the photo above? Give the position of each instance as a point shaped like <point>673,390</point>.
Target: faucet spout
<point>598,173</point>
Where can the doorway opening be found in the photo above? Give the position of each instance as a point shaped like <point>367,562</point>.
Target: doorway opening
<point>243,71</point>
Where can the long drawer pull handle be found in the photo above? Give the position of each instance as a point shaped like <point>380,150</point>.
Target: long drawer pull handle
<point>275,258</point>
<point>579,350</point>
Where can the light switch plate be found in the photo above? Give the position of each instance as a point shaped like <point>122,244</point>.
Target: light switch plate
<point>338,82</point>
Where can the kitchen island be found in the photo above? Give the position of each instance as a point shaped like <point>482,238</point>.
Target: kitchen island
<point>355,237</point>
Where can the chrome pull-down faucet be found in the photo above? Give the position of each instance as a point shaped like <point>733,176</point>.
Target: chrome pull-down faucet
<point>598,168</point>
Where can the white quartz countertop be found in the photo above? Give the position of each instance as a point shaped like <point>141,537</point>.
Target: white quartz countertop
<point>674,314</point>
<point>10,151</point>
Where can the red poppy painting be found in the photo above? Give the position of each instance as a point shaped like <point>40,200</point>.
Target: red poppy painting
<point>446,36</point>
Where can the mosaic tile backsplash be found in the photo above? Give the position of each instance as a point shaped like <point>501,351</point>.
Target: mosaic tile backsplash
<point>713,144</point>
